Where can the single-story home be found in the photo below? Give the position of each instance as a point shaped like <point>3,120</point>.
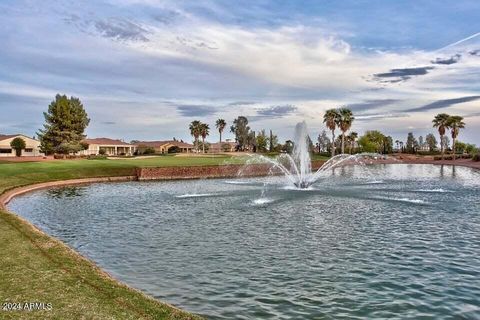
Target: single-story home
<point>32,148</point>
<point>167,146</point>
<point>112,147</point>
<point>225,146</point>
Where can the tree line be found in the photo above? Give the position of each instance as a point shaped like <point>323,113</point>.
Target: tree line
<point>348,141</point>
<point>66,121</point>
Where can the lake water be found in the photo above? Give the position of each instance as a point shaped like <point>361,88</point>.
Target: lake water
<point>376,242</point>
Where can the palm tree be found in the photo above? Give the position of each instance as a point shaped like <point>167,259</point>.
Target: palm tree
<point>330,118</point>
<point>345,119</point>
<point>441,121</point>
<point>352,137</point>
<point>455,123</point>
<point>195,131</point>
<point>204,132</point>
<point>220,124</point>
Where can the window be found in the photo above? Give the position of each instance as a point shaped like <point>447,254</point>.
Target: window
<point>29,150</point>
<point>5,150</point>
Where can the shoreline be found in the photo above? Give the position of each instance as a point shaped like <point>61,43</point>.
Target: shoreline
<point>8,195</point>
<point>31,232</point>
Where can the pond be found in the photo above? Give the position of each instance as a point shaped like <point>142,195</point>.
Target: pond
<point>379,241</point>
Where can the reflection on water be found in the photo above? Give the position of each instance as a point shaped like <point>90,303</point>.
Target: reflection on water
<point>370,242</point>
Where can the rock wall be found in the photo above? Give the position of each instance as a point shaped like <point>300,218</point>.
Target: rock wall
<point>200,172</point>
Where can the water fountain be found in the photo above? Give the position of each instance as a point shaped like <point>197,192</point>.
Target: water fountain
<point>297,167</point>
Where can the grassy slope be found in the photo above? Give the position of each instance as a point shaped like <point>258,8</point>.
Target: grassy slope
<point>37,268</point>
<point>18,174</point>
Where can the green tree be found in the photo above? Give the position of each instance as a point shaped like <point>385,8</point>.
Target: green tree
<point>65,124</point>
<point>372,141</point>
<point>455,123</point>
<point>351,139</point>
<point>471,148</point>
<point>262,141</point>
<point>18,144</point>
<point>242,131</point>
<point>431,141</point>
<point>412,143</point>
<point>345,120</point>
<point>387,145</point>
<point>195,132</point>
<point>220,124</point>
<point>204,132</point>
<point>331,120</point>
<point>441,122</point>
<point>323,142</point>
<point>460,147</point>
<point>273,142</point>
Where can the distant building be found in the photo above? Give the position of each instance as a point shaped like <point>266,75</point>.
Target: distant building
<point>225,146</point>
<point>111,147</point>
<point>32,148</point>
<point>167,146</point>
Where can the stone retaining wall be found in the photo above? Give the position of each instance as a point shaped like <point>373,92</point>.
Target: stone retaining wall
<point>200,172</point>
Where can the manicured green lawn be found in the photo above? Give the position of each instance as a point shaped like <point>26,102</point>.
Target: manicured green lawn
<point>14,174</point>
<point>36,268</point>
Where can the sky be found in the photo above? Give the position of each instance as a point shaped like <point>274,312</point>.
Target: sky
<point>144,69</point>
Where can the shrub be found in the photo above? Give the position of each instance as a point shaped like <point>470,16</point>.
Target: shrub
<point>225,147</point>
<point>428,153</point>
<point>98,157</point>
<point>102,152</point>
<point>446,157</point>
<point>149,150</point>
<point>476,157</point>
<point>18,144</point>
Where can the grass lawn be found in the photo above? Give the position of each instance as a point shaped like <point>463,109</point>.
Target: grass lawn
<point>36,268</point>
<point>14,174</point>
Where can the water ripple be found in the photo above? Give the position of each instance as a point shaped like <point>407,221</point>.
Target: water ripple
<point>404,249</point>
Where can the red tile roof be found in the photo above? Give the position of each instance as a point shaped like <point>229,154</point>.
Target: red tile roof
<point>9,136</point>
<point>106,142</point>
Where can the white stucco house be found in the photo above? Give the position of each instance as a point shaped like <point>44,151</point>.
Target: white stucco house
<point>112,147</point>
<point>32,148</point>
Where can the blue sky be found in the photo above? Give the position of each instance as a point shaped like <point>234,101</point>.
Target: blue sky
<point>146,68</point>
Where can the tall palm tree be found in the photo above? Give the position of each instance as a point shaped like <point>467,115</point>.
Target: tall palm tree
<point>441,121</point>
<point>352,137</point>
<point>220,124</point>
<point>345,120</point>
<point>195,131</point>
<point>455,123</point>
<point>204,132</point>
<point>330,118</point>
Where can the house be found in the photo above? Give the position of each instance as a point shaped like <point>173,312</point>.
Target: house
<point>112,147</point>
<point>225,146</point>
<point>32,148</point>
<point>167,146</point>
